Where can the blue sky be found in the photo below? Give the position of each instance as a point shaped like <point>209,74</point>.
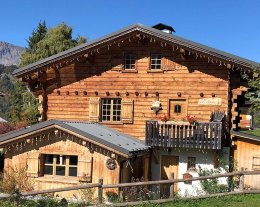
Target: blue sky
<point>229,25</point>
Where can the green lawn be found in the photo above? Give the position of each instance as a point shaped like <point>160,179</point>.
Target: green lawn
<point>248,200</point>
<point>255,132</point>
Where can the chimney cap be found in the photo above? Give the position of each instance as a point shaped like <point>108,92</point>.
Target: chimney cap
<point>164,27</point>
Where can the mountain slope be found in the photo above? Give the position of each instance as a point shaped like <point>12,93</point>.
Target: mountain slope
<point>10,54</point>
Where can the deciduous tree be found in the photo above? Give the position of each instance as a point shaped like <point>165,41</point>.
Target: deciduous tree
<point>41,44</point>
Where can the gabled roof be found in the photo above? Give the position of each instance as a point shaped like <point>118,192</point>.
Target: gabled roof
<point>97,133</point>
<point>212,52</point>
<point>245,135</point>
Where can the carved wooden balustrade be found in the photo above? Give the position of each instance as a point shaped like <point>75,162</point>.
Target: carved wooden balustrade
<point>202,135</point>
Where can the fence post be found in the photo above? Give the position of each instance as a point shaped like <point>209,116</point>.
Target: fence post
<point>172,185</point>
<point>100,190</point>
<point>241,180</point>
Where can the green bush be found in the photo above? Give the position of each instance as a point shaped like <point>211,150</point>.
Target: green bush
<point>14,180</point>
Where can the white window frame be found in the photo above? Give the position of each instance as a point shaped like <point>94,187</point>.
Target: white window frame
<point>54,164</point>
<point>110,116</point>
<point>130,57</point>
<point>156,57</point>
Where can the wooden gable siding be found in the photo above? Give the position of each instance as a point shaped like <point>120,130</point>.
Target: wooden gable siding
<point>29,159</point>
<point>190,76</point>
<point>245,151</point>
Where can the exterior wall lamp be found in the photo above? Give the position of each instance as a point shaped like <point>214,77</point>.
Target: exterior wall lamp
<point>156,106</point>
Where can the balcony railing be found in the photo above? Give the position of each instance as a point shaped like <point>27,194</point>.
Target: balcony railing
<point>202,135</point>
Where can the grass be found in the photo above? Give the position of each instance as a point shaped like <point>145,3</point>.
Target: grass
<point>249,200</point>
<point>255,132</point>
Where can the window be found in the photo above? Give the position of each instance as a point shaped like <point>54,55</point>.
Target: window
<point>61,165</point>
<point>177,108</point>
<point>191,164</point>
<point>156,62</point>
<point>129,63</point>
<point>111,110</point>
<point>256,162</point>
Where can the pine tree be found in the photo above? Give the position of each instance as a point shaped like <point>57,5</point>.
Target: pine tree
<point>253,94</point>
<point>41,44</point>
<point>47,42</point>
<point>37,36</point>
<point>16,101</point>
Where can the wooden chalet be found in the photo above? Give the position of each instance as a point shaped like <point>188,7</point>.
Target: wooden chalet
<point>247,155</point>
<point>139,102</point>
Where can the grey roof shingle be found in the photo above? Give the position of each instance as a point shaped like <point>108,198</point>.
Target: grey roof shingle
<point>94,131</point>
<point>148,30</point>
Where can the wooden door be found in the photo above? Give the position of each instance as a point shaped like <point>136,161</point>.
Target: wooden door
<point>178,109</point>
<point>169,170</point>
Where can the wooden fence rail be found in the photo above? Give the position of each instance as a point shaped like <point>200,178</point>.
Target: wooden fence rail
<point>102,186</point>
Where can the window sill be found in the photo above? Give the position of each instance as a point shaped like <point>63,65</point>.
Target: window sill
<point>58,179</point>
<point>155,71</point>
<point>130,71</point>
<point>110,123</point>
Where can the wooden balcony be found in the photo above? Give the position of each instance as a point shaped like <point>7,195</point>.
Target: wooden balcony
<point>202,135</point>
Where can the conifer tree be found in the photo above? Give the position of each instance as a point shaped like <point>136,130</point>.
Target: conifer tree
<point>41,44</point>
<point>44,43</point>
<point>253,94</point>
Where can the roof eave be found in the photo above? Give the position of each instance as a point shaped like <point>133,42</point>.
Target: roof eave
<point>73,51</point>
<point>245,136</point>
<point>148,30</point>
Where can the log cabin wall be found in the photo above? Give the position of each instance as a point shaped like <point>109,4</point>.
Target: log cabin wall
<point>238,88</point>
<point>247,157</point>
<point>183,76</point>
<point>91,165</point>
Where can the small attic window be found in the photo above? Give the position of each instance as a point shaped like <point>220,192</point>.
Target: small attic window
<point>156,62</point>
<point>129,62</point>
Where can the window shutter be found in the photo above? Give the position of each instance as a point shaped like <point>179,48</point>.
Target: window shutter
<point>168,63</point>
<point>41,165</point>
<point>127,111</point>
<point>33,165</point>
<point>94,109</point>
<point>85,168</point>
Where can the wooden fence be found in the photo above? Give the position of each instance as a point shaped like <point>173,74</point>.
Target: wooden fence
<point>102,186</point>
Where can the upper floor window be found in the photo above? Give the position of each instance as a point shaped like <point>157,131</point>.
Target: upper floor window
<point>129,62</point>
<point>156,62</point>
<point>177,108</point>
<point>62,165</point>
<point>111,109</point>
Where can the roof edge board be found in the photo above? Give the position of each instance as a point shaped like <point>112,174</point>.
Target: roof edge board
<point>149,30</point>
